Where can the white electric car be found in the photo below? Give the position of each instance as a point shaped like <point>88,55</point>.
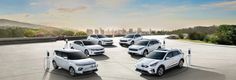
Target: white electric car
<point>88,47</point>
<point>160,60</point>
<point>100,39</point>
<point>130,39</point>
<point>143,47</point>
<point>74,61</point>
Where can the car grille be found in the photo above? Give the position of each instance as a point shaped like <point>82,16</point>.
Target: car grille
<point>123,40</point>
<point>133,49</point>
<point>97,49</point>
<point>98,53</point>
<point>87,64</point>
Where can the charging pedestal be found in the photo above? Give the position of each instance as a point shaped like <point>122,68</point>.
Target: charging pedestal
<point>48,61</point>
<point>189,56</point>
<point>66,45</point>
<point>164,44</point>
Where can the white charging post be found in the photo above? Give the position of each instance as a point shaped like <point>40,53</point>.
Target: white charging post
<point>48,61</point>
<point>164,43</point>
<point>189,56</point>
<point>66,45</point>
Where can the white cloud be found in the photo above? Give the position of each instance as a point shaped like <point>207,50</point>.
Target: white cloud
<point>227,5</point>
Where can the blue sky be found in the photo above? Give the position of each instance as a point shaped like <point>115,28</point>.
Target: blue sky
<point>155,14</point>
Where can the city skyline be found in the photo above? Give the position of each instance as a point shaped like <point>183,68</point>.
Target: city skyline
<point>117,14</point>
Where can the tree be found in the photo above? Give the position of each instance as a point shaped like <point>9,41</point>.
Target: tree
<point>80,33</point>
<point>30,33</point>
<point>226,34</point>
<point>68,33</point>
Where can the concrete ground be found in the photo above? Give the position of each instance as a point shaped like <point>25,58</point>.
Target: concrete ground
<point>209,62</point>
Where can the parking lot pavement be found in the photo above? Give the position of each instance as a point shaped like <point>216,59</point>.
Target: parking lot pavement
<point>209,62</point>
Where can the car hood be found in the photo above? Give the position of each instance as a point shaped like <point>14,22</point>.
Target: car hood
<point>146,61</point>
<point>86,61</point>
<point>136,46</point>
<point>105,38</point>
<point>94,47</point>
<point>125,38</point>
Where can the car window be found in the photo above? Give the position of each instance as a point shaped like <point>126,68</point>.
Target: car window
<point>136,36</point>
<point>155,42</point>
<point>129,36</point>
<point>93,36</point>
<point>151,43</point>
<point>63,54</point>
<point>170,54</point>
<point>176,53</point>
<point>58,53</point>
<point>156,55</point>
<point>78,42</point>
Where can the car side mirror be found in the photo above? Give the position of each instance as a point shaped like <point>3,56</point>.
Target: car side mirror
<point>167,58</point>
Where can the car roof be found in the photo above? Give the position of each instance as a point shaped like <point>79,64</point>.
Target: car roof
<point>68,50</point>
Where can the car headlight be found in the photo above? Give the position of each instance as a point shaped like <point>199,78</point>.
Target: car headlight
<point>141,48</point>
<point>80,68</point>
<point>154,64</point>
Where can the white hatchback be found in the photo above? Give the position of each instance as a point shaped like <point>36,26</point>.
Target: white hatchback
<point>160,60</point>
<point>88,47</point>
<point>74,61</point>
<point>143,47</point>
<point>100,39</point>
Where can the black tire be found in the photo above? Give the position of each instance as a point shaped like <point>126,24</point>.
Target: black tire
<point>86,52</point>
<point>54,65</point>
<point>160,71</point>
<point>71,47</point>
<point>159,47</point>
<point>181,63</point>
<point>145,52</point>
<point>72,72</point>
<point>132,43</point>
<point>99,43</point>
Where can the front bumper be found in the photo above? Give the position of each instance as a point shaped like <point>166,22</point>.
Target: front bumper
<point>138,52</point>
<point>148,70</point>
<point>87,69</point>
<point>107,43</point>
<point>97,52</point>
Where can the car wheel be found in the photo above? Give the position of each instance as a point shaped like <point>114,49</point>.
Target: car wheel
<point>181,63</point>
<point>54,65</point>
<point>160,71</point>
<point>132,43</point>
<point>145,53</point>
<point>99,43</point>
<point>72,47</point>
<point>72,71</point>
<point>159,47</point>
<point>86,52</point>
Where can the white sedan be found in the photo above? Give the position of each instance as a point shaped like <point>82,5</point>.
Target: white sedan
<point>74,61</point>
<point>158,61</point>
<point>100,39</point>
<point>88,47</point>
<point>143,47</point>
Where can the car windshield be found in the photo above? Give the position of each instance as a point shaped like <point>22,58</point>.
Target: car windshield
<point>142,43</point>
<point>88,43</point>
<point>76,55</point>
<point>129,36</point>
<point>156,55</point>
<point>101,36</point>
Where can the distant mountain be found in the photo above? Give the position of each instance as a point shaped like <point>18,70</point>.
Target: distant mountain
<point>5,23</point>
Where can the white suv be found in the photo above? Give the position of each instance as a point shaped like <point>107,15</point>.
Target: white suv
<point>100,39</point>
<point>160,60</point>
<point>143,47</point>
<point>130,39</point>
<point>88,47</point>
<point>74,61</point>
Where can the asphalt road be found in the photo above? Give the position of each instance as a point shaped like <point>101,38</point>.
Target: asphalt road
<point>209,62</point>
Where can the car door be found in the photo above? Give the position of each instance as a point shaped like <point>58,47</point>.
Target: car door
<point>176,57</point>
<point>58,58</point>
<point>151,46</point>
<point>78,45</point>
<point>94,38</point>
<point>64,61</point>
<point>169,62</point>
<point>137,37</point>
<point>156,44</point>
